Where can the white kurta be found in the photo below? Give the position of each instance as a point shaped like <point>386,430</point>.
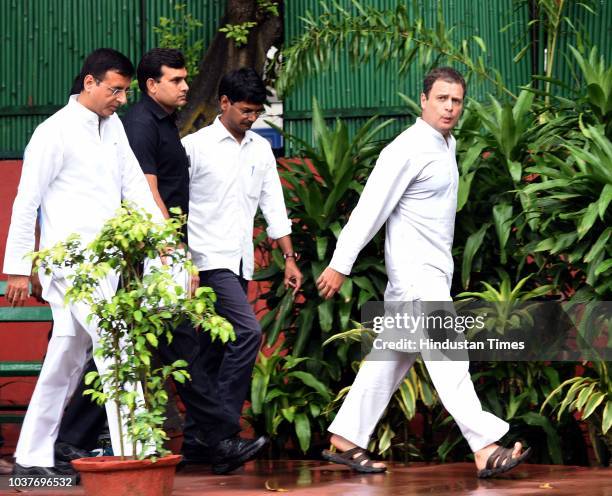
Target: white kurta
<point>228,181</point>
<point>413,188</point>
<point>77,168</point>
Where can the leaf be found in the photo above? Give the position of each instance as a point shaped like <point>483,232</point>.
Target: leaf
<point>259,387</point>
<point>269,487</point>
<point>599,246</point>
<point>322,242</point>
<point>302,430</point>
<point>463,193</point>
<point>326,316</point>
<point>304,328</point>
<point>607,418</point>
<point>502,213</point>
<point>472,246</point>
<point>592,404</point>
<point>604,200</point>
<point>588,219</point>
<point>152,339</point>
<point>311,381</point>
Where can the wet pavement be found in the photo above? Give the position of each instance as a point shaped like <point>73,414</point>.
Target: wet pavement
<point>312,478</point>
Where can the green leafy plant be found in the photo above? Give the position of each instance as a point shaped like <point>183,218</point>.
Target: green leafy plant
<point>286,403</point>
<point>178,32</point>
<point>571,198</point>
<point>506,306</point>
<point>239,33</point>
<point>393,34</point>
<point>591,395</point>
<point>144,310</point>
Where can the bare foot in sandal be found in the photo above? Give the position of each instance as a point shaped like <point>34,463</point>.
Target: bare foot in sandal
<point>342,445</point>
<point>494,459</point>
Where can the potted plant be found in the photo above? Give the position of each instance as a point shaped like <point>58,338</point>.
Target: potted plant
<point>148,305</point>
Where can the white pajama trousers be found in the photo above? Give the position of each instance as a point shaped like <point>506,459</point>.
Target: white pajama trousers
<point>377,380</point>
<point>61,371</point>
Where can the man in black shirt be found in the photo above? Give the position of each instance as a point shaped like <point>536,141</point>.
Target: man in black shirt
<point>151,129</point>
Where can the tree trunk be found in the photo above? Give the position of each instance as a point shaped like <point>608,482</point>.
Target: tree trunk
<point>223,56</point>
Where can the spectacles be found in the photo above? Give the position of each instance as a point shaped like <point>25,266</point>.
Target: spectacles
<point>115,91</point>
<point>250,112</point>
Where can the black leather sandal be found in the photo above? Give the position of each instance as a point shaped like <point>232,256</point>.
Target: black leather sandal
<point>357,458</point>
<point>501,461</point>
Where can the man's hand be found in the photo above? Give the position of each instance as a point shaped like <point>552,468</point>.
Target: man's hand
<point>194,283</point>
<point>36,287</point>
<point>17,290</point>
<point>329,282</point>
<point>293,276</point>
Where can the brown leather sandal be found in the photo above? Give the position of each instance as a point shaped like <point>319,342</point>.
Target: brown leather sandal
<point>357,458</point>
<point>501,461</point>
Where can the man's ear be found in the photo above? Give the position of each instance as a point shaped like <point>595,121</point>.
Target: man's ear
<point>88,82</point>
<point>423,99</point>
<point>224,103</point>
<point>151,85</point>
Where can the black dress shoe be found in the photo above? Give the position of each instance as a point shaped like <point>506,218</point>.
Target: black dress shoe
<point>65,452</point>
<point>20,471</point>
<point>234,452</point>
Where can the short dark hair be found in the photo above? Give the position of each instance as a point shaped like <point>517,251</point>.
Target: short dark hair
<point>243,85</point>
<point>98,63</point>
<point>447,74</point>
<point>150,65</point>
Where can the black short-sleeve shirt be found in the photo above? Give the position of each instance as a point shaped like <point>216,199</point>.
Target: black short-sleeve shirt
<point>155,140</point>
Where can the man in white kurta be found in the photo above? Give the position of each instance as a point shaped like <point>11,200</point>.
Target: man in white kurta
<point>413,188</point>
<point>77,168</point>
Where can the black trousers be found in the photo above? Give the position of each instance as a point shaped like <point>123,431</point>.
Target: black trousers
<point>220,374</point>
<point>227,367</point>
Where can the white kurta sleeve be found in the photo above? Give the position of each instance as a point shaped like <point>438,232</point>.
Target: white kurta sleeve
<point>383,190</point>
<point>42,162</point>
<point>272,203</point>
<point>134,185</point>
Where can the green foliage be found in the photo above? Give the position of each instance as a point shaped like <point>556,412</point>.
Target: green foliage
<point>239,33</point>
<point>269,7</point>
<point>144,310</point>
<point>572,188</point>
<point>286,403</point>
<point>369,33</point>
<point>178,33</point>
<point>492,146</point>
<point>591,395</point>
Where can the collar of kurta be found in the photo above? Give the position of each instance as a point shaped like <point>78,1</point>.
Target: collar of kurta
<point>83,112</point>
<point>221,132</point>
<point>434,132</point>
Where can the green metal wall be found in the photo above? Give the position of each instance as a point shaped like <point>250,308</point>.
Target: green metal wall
<point>360,92</point>
<point>44,42</point>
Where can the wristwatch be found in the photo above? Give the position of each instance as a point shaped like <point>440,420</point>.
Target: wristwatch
<point>291,254</point>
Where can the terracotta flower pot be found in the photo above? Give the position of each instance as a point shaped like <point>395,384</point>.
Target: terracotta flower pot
<point>106,475</point>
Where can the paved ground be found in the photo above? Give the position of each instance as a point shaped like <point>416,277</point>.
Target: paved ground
<point>308,478</point>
